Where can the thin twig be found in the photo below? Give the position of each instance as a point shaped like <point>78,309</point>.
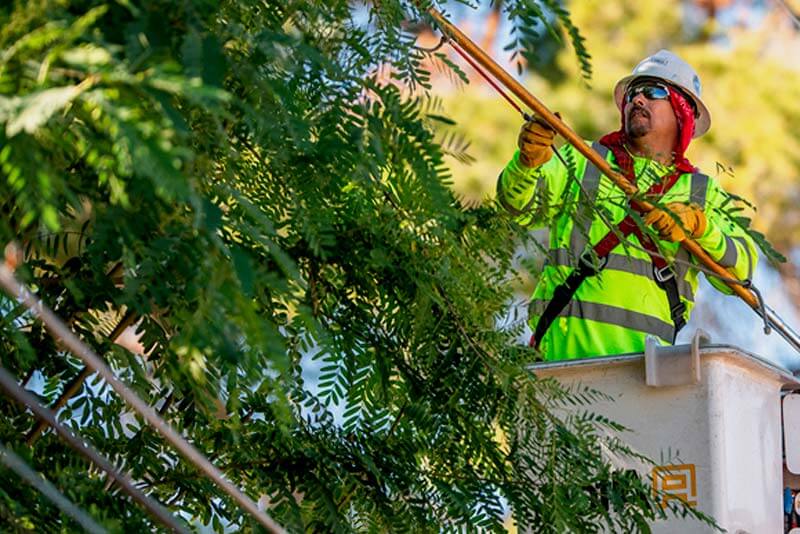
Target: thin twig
<point>64,335</point>
<point>76,383</point>
<point>9,384</point>
<point>46,488</point>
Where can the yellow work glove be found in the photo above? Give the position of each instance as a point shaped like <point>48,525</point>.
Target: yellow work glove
<point>535,140</point>
<point>676,219</point>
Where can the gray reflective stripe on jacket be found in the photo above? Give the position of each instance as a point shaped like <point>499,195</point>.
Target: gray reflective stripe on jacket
<point>683,261</point>
<point>605,313</point>
<point>624,263</point>
<point>750,262</point>
<point>698,189</point>
<point>590,187</point>
<point>731,256</point>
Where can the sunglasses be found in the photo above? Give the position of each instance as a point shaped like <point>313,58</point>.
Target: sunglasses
<point>652,91</point>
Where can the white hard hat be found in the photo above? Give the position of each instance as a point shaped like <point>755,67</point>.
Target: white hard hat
<point>668,67</point>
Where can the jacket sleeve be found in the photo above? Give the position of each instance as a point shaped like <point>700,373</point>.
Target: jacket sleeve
<point>725,241</point>
<point>532,195</point>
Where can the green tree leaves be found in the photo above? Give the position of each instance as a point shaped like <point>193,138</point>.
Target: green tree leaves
<point>242,180</point>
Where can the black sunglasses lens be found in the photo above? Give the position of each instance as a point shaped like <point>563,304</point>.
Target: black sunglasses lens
<point>650,92</point>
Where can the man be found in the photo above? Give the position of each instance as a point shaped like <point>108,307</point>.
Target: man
<point>602,291</point>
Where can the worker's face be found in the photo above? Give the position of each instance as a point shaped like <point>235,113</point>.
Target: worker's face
<point>647,114</point>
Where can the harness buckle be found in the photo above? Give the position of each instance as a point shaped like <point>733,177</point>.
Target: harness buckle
<point>586,262</point>
<point>678,310</point>
<point>663,274</point>
<point>678,314</point>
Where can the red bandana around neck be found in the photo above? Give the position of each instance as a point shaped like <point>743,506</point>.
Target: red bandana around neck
<point>616,141</point>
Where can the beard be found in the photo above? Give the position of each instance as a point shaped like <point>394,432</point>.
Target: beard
<point>637,123</point>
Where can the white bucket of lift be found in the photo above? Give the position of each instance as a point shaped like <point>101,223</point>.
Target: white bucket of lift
<point>711,420</point>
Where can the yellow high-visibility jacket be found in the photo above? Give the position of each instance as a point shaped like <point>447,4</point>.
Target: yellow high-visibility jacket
<point>613,311</point>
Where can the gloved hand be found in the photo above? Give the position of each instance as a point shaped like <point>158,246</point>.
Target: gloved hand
<point>535,140</point>
<point>691,218</point>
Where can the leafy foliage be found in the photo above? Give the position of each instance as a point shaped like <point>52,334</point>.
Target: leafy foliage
<point>240,180</point>
<point>530,19</point>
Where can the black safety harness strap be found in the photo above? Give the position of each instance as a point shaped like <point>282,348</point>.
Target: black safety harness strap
<point>594,259</point>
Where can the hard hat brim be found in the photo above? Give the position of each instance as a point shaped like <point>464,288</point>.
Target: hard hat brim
<point>703,122</point>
